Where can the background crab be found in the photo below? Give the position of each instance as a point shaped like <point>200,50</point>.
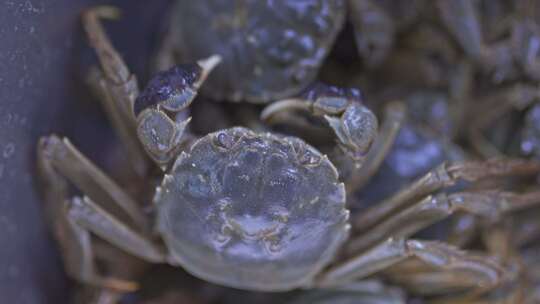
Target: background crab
<point>270,49</point>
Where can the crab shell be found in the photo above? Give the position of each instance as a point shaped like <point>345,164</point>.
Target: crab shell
<point>252,211</point>
<point>270,49</point>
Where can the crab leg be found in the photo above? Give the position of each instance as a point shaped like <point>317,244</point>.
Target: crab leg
<point>461,19</point>
<point>113,66</point>
<point>483,271</point>
<point>432,282</point>
<point>487,204</point>
<point>75,243</point>
<point>89,216</point>
<point>62,157</point>
<point>115,86</point>
<point>425,280</point>
<point>368,286</point>
<point>442,177</point>
<point>438,284</point>
<point>422,279</point>
<point>499,241</point>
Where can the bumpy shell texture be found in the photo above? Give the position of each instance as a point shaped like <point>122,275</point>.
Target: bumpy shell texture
<point>252,211</point>
<point>270,49</point>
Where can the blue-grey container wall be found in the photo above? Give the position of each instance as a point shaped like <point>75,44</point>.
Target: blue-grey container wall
<point>43,55</point>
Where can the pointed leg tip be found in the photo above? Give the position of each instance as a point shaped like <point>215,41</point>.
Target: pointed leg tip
<point>102,11</point>
<point>208,64</point>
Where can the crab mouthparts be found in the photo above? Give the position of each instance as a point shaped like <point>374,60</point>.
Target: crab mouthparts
<point>254,227</point>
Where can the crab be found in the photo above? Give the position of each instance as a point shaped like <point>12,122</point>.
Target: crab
<point>256,211</point>
<point>274,49</point>
<point>270,49</point>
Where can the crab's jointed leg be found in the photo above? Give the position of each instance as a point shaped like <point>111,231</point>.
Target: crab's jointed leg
<point>69,163</point>
<point>142,122</point>
<point>444,176</point>
<point>116,219</point>
<point>486,204</point>
<point>499,243</point>
<point>89,216</point>
<point>484,270</point>
<point>423,279</point>
<point>462,22</point>
<point>75,242</point>
<point>115,86</point>
<point>438,284</point>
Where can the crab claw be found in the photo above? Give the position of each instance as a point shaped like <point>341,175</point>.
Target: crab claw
<point>207,65</point>
<point>355,129</point>
<point>174,89</point>
<point>354,125</point>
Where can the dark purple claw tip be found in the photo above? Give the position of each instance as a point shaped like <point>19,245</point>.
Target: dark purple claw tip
<point>173,89</point>
<point>320,89</point>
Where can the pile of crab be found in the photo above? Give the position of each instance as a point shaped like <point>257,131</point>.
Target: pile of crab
<point>340,151</point>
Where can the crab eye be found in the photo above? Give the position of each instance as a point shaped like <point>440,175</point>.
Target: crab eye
<point>173,89</point>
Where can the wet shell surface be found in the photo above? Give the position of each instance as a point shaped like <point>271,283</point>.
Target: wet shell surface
<point>252,211</point>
